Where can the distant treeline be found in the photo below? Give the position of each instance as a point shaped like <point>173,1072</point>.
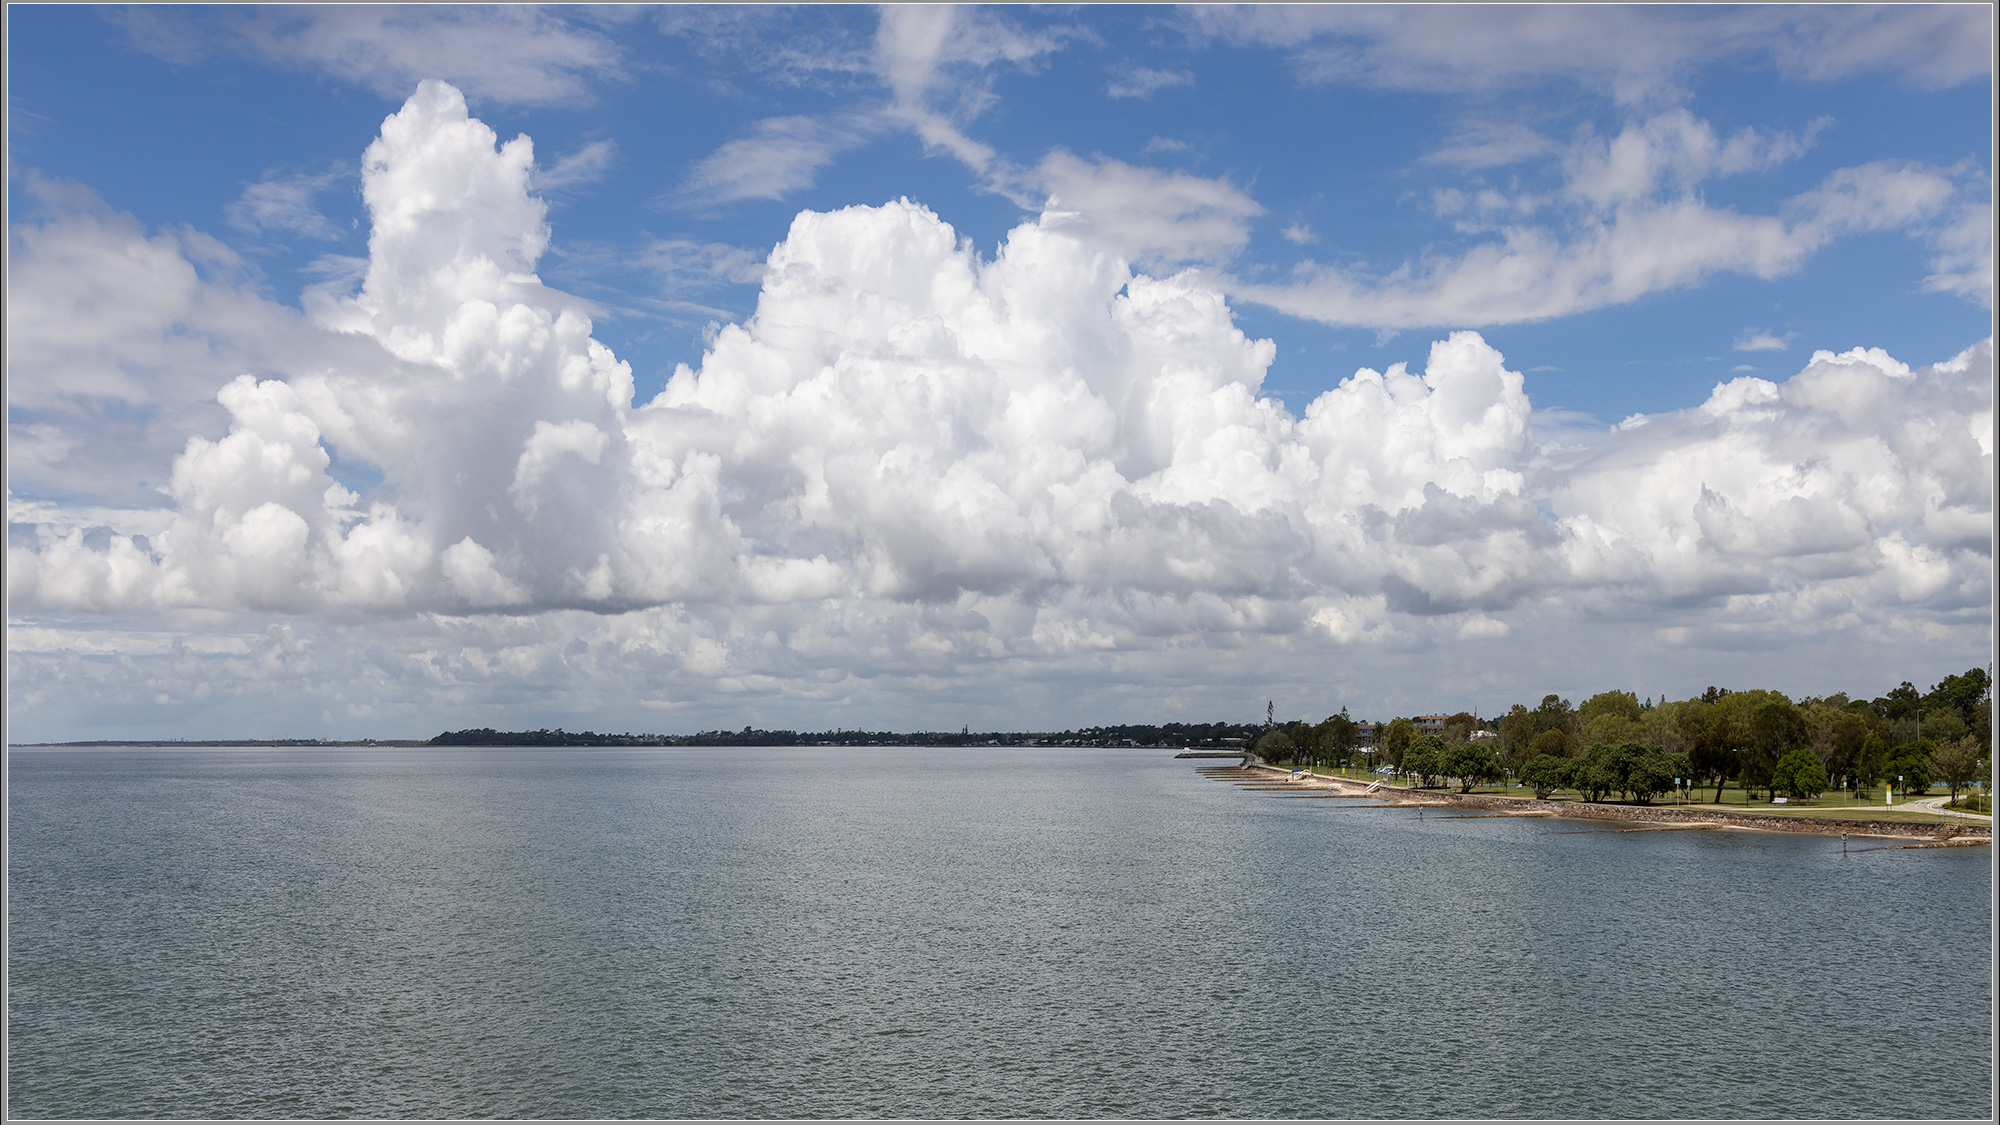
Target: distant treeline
<point>1176,735</point>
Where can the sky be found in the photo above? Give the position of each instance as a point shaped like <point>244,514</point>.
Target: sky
<point>374,372</point>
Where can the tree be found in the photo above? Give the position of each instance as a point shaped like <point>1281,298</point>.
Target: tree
<point>1623,704</point>
<point>1867,768</point>
<point>1967,695</point>
<point>1943,724</point>
<point>1337,736</point>
<point>1471,764</point>
<point>1610,729</point>
<point>1396,740</point>
<point>1426,759</point>
<point>1554,714</point>
<point>1799,775</point>
<point>1837,737</point>
<point>1714,749</point>
<point>1956,763</point>
<point>1547,774</point>
<point>1594,775</point>
<point>1776,727</point>
<point>1909,767</point>
<point>1517,731</point>
<point>1556,743</point>
<point>1649,773</point>
<point>1275,746</point>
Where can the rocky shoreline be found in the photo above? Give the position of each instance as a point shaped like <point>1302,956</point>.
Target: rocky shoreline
<point>1638,816</point>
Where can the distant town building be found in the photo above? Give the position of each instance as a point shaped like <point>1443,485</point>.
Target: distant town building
<point>1430,724</point>
<point>1364,733</point>
<point>1483,736</point>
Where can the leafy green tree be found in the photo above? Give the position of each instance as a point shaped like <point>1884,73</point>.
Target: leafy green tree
<point>1645,774</point>
<point>1775,728</point>
<point>1610,729</point>
<point>1556,743</point>
<point>1956,763</point>
<point>1517,731</point>
<point>1425,759</point>
<point>1799,775</point>
<point>1595,774</point>
<point>1554,713</point>
<point>1838,736</point>
<point>1715,745</point>
<point>1943,724</point>
<point>1623,704</point>
<point>1970,695</point>
<point>1547,773</point>
<point>1471,763</point>
<point>1909,767</point>
<point>1868,764</point>
<point>1275,746</point>
<point>1396,740</point>
<point>1336,736</point>
<point>1900,703</point>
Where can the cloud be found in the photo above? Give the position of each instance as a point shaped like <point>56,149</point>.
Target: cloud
<point>1629,220</point>
<point>500,54</point>
<point>698,266</point>
<point>284,204</point>
<point>781,155</point>
<point>1963,253</point>
<point>1148,215</point>
<point>916,462</point>
<point>1637,54</point>
<point>1759,340</point>
<point>1299,234</point>
<point>585,165</point>
<point>1144,81</point>
<point>938,62</point>
<point>1491,146</point>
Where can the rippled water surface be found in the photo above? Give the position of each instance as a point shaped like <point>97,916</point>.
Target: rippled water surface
<point>952,933</point>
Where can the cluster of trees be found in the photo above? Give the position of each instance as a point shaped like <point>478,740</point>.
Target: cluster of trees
<point>1616,744</point>
<point>1173,735</point>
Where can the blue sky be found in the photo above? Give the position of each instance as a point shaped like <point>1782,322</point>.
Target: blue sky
<point>1628,206</point>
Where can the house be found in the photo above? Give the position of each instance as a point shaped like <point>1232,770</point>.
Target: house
<point>1364,733</point>
<point>1430,724</point>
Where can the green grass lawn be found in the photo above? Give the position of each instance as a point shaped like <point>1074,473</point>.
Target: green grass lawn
<point>1835,804</point>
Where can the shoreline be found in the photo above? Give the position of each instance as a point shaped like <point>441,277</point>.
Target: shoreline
<point>1640,817</point>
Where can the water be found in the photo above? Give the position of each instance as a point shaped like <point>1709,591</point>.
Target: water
<point>942,933</point>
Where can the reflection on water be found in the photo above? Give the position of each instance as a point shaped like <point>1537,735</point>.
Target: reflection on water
<point>949,933</point>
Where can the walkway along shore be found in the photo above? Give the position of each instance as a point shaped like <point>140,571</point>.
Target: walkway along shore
<point>1639,816</point>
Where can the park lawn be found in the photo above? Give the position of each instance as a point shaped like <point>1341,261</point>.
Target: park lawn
<point>1832,804</point>
<point>1911,816</point>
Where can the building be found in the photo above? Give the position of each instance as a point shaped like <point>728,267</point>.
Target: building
<point>1430,724</point>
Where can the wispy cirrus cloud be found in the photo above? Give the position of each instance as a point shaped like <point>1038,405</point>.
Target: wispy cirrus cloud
<point>1144,81</point>
<point>1762,340</point>
<point>501,54</point>
<point>1628,219</point>
<point>1639,54</point>
<point>283,204</point>
<point>780,156</point>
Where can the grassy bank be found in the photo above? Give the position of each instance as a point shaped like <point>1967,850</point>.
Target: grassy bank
<point>1734,799</point>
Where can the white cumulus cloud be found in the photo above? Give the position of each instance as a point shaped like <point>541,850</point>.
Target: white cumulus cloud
<point>916,461</point>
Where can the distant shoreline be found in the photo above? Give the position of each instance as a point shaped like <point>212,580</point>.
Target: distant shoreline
<point>1641,818</point>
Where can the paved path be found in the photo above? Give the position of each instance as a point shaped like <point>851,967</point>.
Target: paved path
<point>1937,805</point>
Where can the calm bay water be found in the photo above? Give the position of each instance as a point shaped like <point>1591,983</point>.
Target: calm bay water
<point>949,933</point>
